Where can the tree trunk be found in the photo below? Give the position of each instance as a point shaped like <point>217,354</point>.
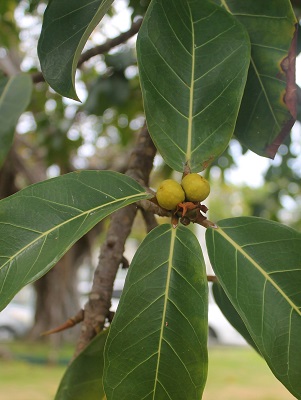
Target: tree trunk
<point>57,299</point>
<point>57,296</point>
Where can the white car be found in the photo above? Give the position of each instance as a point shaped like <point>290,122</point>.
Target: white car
<point>18,316</point>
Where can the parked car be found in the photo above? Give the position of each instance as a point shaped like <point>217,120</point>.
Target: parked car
<point>18,316</point>
<point>221,332</point>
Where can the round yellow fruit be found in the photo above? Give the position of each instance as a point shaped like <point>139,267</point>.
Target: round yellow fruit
<point>196,187</point>
<point>169,194</point>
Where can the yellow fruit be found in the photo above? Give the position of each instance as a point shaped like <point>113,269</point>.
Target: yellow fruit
<point>196,187</point>
<point>169,194</point>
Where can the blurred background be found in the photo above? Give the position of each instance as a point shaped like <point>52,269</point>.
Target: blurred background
<point>56,136</point>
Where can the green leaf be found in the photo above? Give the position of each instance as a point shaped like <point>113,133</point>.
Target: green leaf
<point>83,378</point>
<point>66,28</point>
<point>231,314</point>
<point>15,94</point>
<point>40,223</point>
<point>193,60</point>
<point>268,108</point>
<point>111,91</point>
<point>157,345</point>
<point>258,264</point>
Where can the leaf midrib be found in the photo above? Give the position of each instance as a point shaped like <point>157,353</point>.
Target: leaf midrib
<point>169,269</point>
<point>258,267</point>
<point>191,93</point>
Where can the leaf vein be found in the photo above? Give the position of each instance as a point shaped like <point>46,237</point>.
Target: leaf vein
<point>216,98</point>
<point>181,361</point>
<point>265,93</point>
<point>219,64</point>
<point>215,37</point>
<point>257,16</point>
<point>268,47</point>
<point>19,226</point>
<point>189,323</point>
<point>165,62</point>
<point>258,267</point>
<point>74,10</point>
<point>176,36</point>
<point>207,17</point>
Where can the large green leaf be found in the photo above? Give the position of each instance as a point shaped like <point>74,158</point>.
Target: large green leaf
<point>40,223</point>
<point>83,378</point>
<point>15,94</point>
<point>258,264</point>
<point>157,345</point>
<point>264,118</point>
<point>193,61</point>
<point>66,27</point>
<point>231,314</point>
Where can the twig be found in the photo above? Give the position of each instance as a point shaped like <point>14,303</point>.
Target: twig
<point>76,319</point>
<point>124,263</point>
<point>149,219</point>
<point>101,49</point>
<point>111,254</point>
<point>212,278</point>
<point>153,208</point>
<point>109,44</point>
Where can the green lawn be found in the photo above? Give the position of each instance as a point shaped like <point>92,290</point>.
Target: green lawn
<point>234,374</point>
<point>34,380</point>
<point>241,374</point>
<point>23,381</point>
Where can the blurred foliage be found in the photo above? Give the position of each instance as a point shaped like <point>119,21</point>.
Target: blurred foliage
<point>139,7</point>
<point>67,134</point>
<point>33,4</point>
<point>8,32</point>
<point>115,91</point>
<point>279,199</point>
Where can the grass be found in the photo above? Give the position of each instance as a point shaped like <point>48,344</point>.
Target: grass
<point>34,380</point>
<point>240,373</point>
<point>234,374</point>
<point>24,381</point>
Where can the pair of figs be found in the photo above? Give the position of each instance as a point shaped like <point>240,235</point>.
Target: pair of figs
<point>192,188</point>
